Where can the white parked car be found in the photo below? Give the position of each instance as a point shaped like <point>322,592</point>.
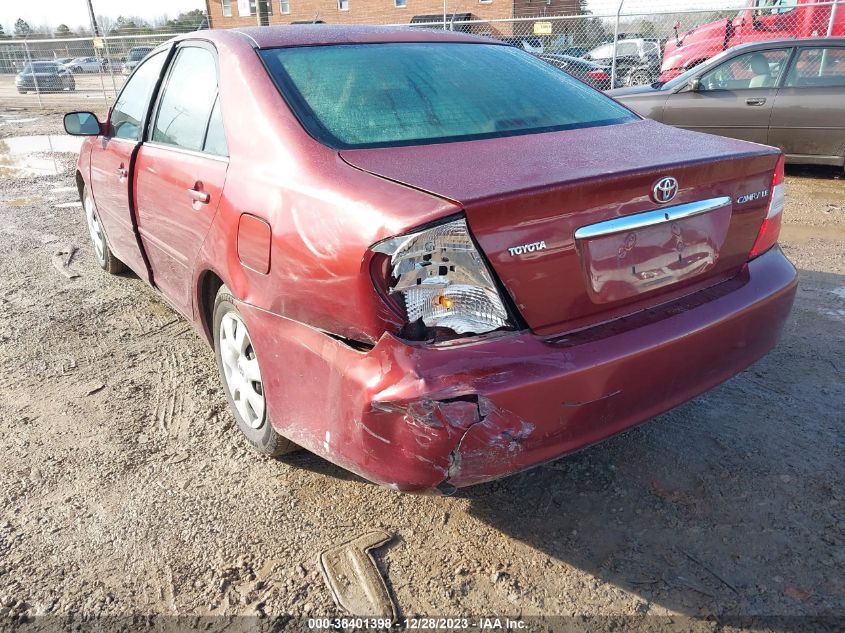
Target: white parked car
<point>86,65</point>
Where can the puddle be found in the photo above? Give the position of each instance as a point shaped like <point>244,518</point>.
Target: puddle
<point>23,156</point>
<point>6,121</point>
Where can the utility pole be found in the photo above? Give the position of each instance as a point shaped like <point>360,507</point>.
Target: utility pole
<point>93,19</point>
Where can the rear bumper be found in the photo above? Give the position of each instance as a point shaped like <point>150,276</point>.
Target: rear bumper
<point>416,417</point>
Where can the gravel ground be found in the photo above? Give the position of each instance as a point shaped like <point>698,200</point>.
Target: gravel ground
<point>126,489</point>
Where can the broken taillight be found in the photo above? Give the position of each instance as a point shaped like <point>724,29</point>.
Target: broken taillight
<point>443,281</point>
<point>770,229</point>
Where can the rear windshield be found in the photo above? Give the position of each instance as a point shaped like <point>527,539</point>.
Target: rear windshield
<point>380,95</point>
<point>40,67</point>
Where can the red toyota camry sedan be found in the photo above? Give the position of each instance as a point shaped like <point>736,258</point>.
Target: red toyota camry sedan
<point>430,257</point>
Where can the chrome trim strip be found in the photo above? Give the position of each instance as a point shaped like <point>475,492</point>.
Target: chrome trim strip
<point>650,218</point>
<point>189,152</point>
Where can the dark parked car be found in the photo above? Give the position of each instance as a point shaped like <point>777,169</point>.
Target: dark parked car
<point>572,51</point>
<point>425,256</point>
<point>530,44</point>
<point>134,57</point>
<point>47,76</point>
<point>593,74</point>
<point>787,93</point>
<point>637,60</point>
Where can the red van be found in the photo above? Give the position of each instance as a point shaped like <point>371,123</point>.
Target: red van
<point>760,20</point>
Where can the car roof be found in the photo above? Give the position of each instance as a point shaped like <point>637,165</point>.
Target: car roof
<point>790,41</point>
<point>322,34</point>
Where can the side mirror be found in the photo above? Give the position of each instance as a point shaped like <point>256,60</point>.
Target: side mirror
<point>694,84</point>
<point>82,124</point>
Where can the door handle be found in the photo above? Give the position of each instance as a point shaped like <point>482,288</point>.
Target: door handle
<point>199,196</point>
<point>757,101</point>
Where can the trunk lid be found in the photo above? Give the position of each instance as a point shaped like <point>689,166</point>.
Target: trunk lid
<point>561,216</point>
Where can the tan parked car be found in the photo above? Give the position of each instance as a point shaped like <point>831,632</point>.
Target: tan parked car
<point>786,93</point>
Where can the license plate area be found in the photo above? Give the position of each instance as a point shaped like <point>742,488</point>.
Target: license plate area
<point>637,254</point>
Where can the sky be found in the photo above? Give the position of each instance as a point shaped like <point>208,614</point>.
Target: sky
<point>74,13</point>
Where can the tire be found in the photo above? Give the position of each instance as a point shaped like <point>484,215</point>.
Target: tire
<point>102,253</point>
<point>639,78</point>
<point>238,368</point>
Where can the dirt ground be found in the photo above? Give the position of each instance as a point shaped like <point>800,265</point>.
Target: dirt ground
<point>126,489</point>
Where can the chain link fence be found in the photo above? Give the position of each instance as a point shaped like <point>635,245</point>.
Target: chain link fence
<point>614,48</point>
<point>61,74</point>
<point>657,44</point>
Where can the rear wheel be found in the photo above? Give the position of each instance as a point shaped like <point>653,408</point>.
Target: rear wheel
<point>102,253</point>
<point>241,377</point>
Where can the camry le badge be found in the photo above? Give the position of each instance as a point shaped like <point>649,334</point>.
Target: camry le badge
<point>751,197</point>
<point>665,190</point>
<point>527,248</point>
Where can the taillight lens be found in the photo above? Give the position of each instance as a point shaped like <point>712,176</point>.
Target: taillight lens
<point>443,280</point>
<point>770,229</point>
<point>598,75</point>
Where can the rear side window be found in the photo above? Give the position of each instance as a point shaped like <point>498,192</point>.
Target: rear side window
<point>215,139</point>
<point>128,110</point>
<point>377,95</point>
<point>818,68</point>
<point>188,98</point>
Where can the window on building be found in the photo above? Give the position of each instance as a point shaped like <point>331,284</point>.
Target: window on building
<point>284,6</point>
<point>400,4</point>
<point>268,6</point>
<point>343,5</point>
<point>227,8</point>
<point>485,1</point>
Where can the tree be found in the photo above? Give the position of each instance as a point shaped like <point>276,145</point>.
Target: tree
<point>22,29</point>
<point>63,30</point>
<point>2,32</point>
<point>188,21</point>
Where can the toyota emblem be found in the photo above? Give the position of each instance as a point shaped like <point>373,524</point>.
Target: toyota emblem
<point>665,190</point>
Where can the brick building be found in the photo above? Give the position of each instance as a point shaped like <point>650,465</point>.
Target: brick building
<point>232,13</point>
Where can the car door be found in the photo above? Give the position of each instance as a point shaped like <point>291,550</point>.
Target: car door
<point>808,117</point>
<point>181,169</point>
<point>734,98</point>
<point>111,161</point>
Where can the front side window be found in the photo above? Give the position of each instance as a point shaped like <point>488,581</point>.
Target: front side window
<point>773,7</point>
<point>760,69</point>
<point>128,111</point>
<point>818,68</point>
<point>187,100</point>
<point>375,95</point>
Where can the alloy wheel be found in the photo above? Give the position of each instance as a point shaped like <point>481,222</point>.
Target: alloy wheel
<point>240,370</point>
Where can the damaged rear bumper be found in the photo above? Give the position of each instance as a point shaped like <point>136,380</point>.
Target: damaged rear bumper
<point>418,417</point>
